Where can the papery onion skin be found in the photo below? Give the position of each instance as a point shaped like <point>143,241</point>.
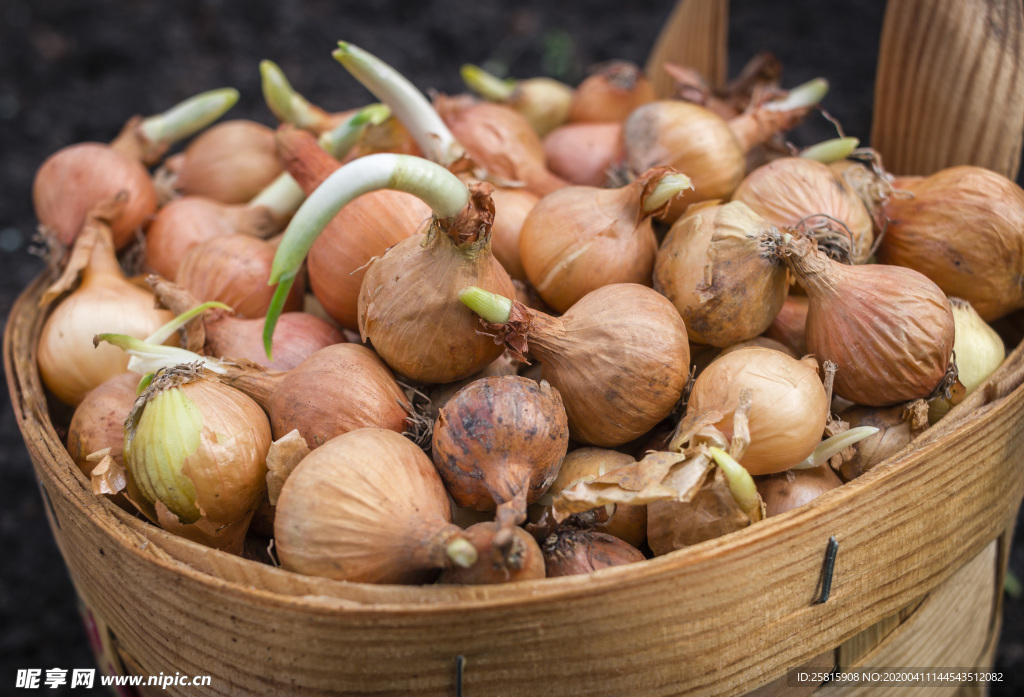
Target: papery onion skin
<point>897,427</point>
<point>524,562</point>
<point>367,506</point>
<point>98,422</point>
<point>714,267</point>
<point>584,153</point>
<point>299,335</point>
<point>789,324</point>
<point>889,329</point>
<point>788,405</point>
<point>511,207</point>
<point>962,227</point>
<point>230,162</point>
<point>979,352</point>
<point>611,93</point>
<point>233,269</point>
<point>199,448</point>
<point>762,342</point>
<point>569,552</point>
<point>788,490</point>
<point>76,178</point>
<point>794,189</point>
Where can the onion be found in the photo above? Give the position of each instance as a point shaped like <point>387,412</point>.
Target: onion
<point>291,107</point>
<point>231,163</point>
<point>799,192</point>
<point>195,451</point>
<point>887,328</point>
<point>105,300</point>
<point>761,342</point>
<point>619,357</point>
<point>368,506</point>
<point>791,489</point>
<point>522,561</point>
<point>789,324</point>
<point>543,102</point>
<point>233,269</point>
<point>963,228</point>
<point>511,206</point>
<point>98,422</point>
<point>788,405</point>
<point>717,268</point>
<point>897,426</point>
<point>979,352</point>
<point>584,153</point>
<point>611,93</point>
<point>580,238</point>
<point>500,141</point>
<point>498,443</point>
<point>569,552</point>
<point>708,149</point>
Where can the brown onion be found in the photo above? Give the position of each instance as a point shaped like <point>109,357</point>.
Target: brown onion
<point>611,93</point>
<point>580,238</point>
<point>619,357</point>
<point>789,324</point>
<point>791,489</point>
<point>888,329</point>
<point>520,561</point>
<point>499,140</point>
<point>569,552</point>
<point>963,228</point>
<point>543,102</point>
<point>761,342</point>
<point>233,269</point>
<point>511,206</point>
<point>498,443</point>
<point>716,267</point>
<point>584,153</point>
<point>76,178</point>
<point>98,422</point>
<point>369,507</point>
<point>231,162</point>
<point>897,426</point>
<point>788,405</point>
<point>795,191</point>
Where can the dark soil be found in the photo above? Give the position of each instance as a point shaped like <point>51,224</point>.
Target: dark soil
<point>74,71</point>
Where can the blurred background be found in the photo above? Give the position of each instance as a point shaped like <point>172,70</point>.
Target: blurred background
<point>74,71</point>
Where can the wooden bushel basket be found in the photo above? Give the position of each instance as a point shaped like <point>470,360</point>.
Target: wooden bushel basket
<point>923,538</point>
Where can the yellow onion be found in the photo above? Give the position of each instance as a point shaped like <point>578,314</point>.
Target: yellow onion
<point>233,269</point>
<point>626,522</point>
<point>788,405</point>
<point>511,206</point>
<point>543,102</point>
<point>231,162</point>
<point>195,451</point>
<point>619,357</point>
<point>793,488</point>
<point>500,141</point>
<point>963,228</point>
<point>569,552</point>
<point>611,93</point>
<point>761,342</point>
<point>369,507</point>
<point>76,178</point>
<point>716,267</point>
<point>584,153</point>
<point>105,300</point>
<point>888,329</point>
<point>703,145</point>
<point>788,326</point>
<point>498,443</point>
<point>580,238</point>
<point>520,560</point>
<point>897,427</point>
<point>796,191</point>
<point>978,349</point>
<point>98,422</point>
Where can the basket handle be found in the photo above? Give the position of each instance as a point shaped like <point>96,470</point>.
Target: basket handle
<point>950,85</point>
<point>695,35</point>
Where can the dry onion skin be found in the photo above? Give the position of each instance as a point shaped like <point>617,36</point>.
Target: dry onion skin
<point>511,207</point>
<point>498,443</point>
<point>610,93</point>
<point>799,192</point>
<point>979,352</point>
<point>584,153</point>
<point>897,427</point>
<point>791,489</point>
<point>98,422</point>
<point>570,552</point>
<point>790,324</point>
<point>889,329</point>
<point>580,238</point>
<point>619,357</point>
<point>788,405</point>
<point>195,451</point>
<point>299,335</point>
<point>521,561</point>
<point>962,227</point>
<point>369,507</point>
<point>717,268</point>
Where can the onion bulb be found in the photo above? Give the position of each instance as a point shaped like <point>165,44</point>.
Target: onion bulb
<point>368,506</point>
<point>521,561</point>
<point>717,268</point>
<point>498,444</point>
<point>789,324</point>
<point>543,102</point>
<point>791,489</point>
<point>611,93</point>
<point>897,426</point>
<point>788,405</point>
<point>979,352</point>
<point>889,329</point>
<point>963,228</point>
<point>619,357</point>
<point>511,206</point>
<point>569,552</point>
<point>584,153</point>
<point>98,422</point>
<point>580,238</point>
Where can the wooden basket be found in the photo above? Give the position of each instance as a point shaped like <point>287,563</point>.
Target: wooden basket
<point>923,542</point>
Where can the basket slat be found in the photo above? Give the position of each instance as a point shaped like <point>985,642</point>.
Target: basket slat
<point>695,35</point>
<point>950,85</point>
